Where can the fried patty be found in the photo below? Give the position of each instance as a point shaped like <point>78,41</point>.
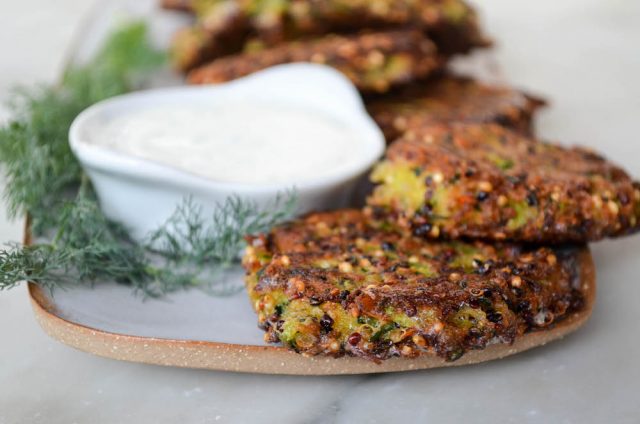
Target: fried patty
<point>451,99</point>
<point>451,23</point>
<point>221,30</point>
<point>373,62</point>
<point>340,283</point>
<point>485,181</point>
<point>183,5</point>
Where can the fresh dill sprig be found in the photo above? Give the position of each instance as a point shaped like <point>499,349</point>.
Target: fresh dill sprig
<point>84,247</point>
<point>190,250</point>
<point>220,238</point>
<point>199,248</point>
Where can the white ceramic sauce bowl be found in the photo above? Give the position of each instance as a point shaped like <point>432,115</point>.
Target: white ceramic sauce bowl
<point>142,194</point>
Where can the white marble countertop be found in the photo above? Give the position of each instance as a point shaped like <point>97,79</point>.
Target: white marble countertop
<point>585,56</point>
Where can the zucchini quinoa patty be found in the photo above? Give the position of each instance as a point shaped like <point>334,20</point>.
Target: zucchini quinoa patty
<point>452,23</point>
<point>339,283</point>
<point>451,99</point>
<point>484,181</point>
<point>221,32</point>
<point>373,62</point>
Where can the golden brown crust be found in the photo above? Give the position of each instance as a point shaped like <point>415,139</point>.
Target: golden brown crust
<point>451,23</point>
<point>484,181</point>
<point>374,62</point>
<point>338,283</point>
<point>451,98</point>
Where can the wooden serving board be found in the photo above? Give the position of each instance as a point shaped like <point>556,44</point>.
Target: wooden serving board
<point>194,329</point>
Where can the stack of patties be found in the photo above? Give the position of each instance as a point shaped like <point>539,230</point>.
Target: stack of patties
<point>474,235</point>
<point>378,44</point>
<point>474,238</point>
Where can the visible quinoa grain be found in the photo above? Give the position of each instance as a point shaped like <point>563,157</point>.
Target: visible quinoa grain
<point>419,340</point>
<point>485,186</point>
<point>354,339</point>
<point>516,281</point>
<point>345,267</point>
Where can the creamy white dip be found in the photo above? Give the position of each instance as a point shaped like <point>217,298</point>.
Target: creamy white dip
<point>242,143</point>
